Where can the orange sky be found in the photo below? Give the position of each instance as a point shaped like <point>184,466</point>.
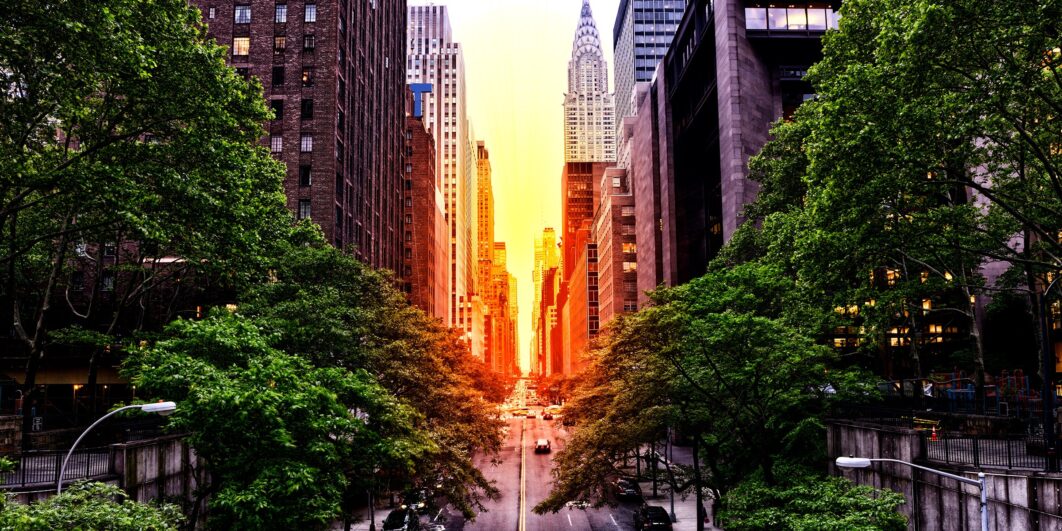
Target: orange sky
<point>516,67</point>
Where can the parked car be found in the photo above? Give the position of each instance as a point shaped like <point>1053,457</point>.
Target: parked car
<point>628,489</point>
<point>400,520</point>
<point>542,446</point>
<point>652,517</point>
<point>530,414</point>
<point>416,501</point>
<point>547,416</point>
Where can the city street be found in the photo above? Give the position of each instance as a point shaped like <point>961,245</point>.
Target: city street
<point>524,479</point>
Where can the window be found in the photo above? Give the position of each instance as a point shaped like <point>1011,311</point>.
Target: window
<point>629,247</point>
<point>304,209</point>
<point>280,42</point>
<point>77,280</point>
<point>276,143</point>
<point>627,229</point>
<point>281,13</point>
<point>211,13</point>
<point>409,219</point>
<point>630,266</point>
<point>627,211</point>
<point>306,143</point>
<point>241,45</point>
<point>109,249</point>
<point>107,281</point>
<point>307,76</point>
<point>243,72</point>
<point>307,42</point>
<point>278,76</point>
<point>278,109</point>
<point>310,13</point>
<point>409,201</point>
<point>409,236</point>
<point>409,168</point>
<point>307,110</point>
<point>243,15</point>
<point>304,176</point>
<point>776,18</point>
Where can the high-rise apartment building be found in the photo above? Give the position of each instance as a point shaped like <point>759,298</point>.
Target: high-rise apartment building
<point>589,126</point>
<point>640,37</point>
<point>425,254</point>
<point>617,255</point>
<point>733,68</point>
<point>433,57</point>
<point>547,262</point>
<point>332,72</point>
<point>484,220</point>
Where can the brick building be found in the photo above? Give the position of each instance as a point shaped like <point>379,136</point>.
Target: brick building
<point>617,260</point>
<point>425,258</point>
<point>332,71</point>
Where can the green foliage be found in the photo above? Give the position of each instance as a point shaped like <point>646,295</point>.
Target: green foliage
<point>85,506</point>
<point>339,313</point>
<point>274,430</point>
<point>806,501</point>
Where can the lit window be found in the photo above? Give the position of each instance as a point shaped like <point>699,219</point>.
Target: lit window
<point>276,144</point>
<point>211,13</point>
<point>630,266</point>
<point>776,18</point>
<point>243,15</point>
<point>304,209</point>
<point>307,42</point>
<point>307,76</point>
<point>311,13</point>
<point>281,13</point>
<point>279,44</point>
<point>629,247</point>
<point>241,45</point>
<point>306,143</point>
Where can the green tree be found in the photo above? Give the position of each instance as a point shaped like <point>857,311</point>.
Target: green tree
<point>807,501</point>
<point>122,128</point>
<point>86,505</point>
<point>339,313</point>
<point>276,432</point>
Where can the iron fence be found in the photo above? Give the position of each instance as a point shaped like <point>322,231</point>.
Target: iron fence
<point>1012,453</point>
<point>34,469</point>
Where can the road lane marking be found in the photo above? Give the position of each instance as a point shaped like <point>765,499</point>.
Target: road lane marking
<point>522,521</point>
<point>613,518</point>
<point>570,524</point>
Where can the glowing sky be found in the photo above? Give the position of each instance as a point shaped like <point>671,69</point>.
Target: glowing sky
<point>516,68</point>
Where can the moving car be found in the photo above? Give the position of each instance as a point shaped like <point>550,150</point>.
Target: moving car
<point>530,414</point>
<point>652,517</point>
<point>399,520</point>
<point>628,489</point>
<point>547,416</point>
<point>542,446</point>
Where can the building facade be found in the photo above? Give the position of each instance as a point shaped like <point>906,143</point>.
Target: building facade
<point>332,72</point>
<point>433,57</point>
<point>425,246</point>
<point>640,37</point>
<point>617,254</point>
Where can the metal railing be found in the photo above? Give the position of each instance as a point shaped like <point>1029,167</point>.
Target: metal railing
<point>1020,452</point>
<point>42,468</point>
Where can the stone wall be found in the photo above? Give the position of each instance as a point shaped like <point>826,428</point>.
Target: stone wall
<point>1017,500</point>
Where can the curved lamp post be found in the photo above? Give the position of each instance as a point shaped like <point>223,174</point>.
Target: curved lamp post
<point>162,408</point>
<point>863,462</point>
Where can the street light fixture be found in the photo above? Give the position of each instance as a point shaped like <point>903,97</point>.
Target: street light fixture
<point>161,408</point>
<point>863,462</point>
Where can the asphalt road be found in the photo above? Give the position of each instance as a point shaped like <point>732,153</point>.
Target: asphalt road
<point>524,480</point>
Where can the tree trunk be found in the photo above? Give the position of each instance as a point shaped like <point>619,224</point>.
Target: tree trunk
<point>697,479</point>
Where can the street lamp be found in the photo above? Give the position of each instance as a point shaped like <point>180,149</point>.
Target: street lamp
<point>161,408</point>
<point>863,462</point>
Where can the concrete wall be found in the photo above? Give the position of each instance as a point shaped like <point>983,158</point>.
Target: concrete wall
<point>158,468</point>
<point>1017,500</point>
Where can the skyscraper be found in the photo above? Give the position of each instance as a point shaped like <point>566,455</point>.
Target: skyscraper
<point>589,127</point>
<point>332,73</point>
<point>640,37</point>
<point>433,57</point>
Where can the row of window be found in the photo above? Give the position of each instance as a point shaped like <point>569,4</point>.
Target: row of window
<point>791,18</point>
<point>279,77</point>
<point>242,45</point>
<point>242,14</point>
<point>305,111</point>
<point>276,143</point>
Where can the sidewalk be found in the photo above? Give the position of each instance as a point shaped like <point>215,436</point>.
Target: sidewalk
<point>685,510</point>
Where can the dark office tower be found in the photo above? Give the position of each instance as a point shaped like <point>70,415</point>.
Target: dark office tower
<point>333,73</point>
<point>640,38</point>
